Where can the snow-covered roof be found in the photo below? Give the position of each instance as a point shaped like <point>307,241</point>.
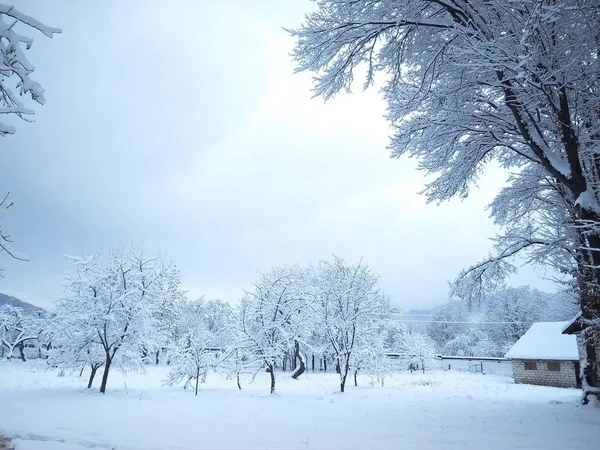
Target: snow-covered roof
<point>544,340</point>
<point>573,325</point>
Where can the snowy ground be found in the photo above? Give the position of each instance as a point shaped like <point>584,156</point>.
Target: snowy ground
<point>447,410</point>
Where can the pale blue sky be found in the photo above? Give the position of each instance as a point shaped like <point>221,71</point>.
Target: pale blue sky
<point>182,124</point>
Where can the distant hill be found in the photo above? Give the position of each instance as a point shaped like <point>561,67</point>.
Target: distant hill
<point>10,300</point>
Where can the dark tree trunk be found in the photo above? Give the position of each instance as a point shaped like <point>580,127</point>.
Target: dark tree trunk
<point>313,362</point>
<point>22,351</point>
<point>238,381</point>
<point>157,357</point>
<point>338,369</point>
<point>271,370</point>
<point>355,380</point>
<point>325,363</point>
<point>284,362</point>
<point>105,373</point>
<point>300,356</point>
<point>81,371</point>
<point>197,377</point>
<point>344,373</point>
<point>92,375</point>
<point>589,285</point>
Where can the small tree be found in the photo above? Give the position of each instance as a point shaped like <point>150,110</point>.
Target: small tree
<point>418,350</point>
<point>18,327</point>
<point>114,305</point>
<point>347,305</point>
<point>190,358</point>
<point>270,317</point>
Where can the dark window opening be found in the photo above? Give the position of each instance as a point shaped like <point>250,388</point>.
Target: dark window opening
<point>554,366</point>
<point>530,365</point>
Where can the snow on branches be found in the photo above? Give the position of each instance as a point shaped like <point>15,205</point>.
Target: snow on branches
<point>17,328</point>
<point>272,316</point>
<point>15,68</point>
<point>468,83</point>
<point>348,304</point>
<point>112,311</point>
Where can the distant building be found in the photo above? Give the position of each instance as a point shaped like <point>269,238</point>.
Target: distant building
<point>546,357</point>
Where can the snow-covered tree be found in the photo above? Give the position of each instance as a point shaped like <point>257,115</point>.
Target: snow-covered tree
<point>512,311</point>
<point>15,69</point>
<point>18,327</point>
<point>73,349</point>
<point>470,82</point>
<point>418,350</point>
<point>473,341</point>
<point>370,356</point>
<point>114,305</point>
<point>170,307</point>
<point>16,84</point>
<point>348,308</point>
<point>562,305</point>
<point>270,319</point>
<point>447,322</point>
<point>191,357</point>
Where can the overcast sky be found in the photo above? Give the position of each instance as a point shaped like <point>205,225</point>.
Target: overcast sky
<point>182,124</point>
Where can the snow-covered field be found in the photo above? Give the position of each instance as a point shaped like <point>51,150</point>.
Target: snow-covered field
<point>447,410</point>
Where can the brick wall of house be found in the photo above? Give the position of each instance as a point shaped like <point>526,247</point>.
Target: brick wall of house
<point>544,377</point>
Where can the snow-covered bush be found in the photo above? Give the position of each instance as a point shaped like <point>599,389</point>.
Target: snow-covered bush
<point>473,342</point>
<point>417,350</point>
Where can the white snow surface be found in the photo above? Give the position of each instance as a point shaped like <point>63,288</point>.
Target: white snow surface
<point>544,340</point>
<point>436,410</point>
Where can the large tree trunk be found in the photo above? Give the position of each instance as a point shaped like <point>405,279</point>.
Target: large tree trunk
<point>105,373</point>
<point>92,375</point>
<point>355,380</point>
<point>298,354</point>
<point>589,297</point>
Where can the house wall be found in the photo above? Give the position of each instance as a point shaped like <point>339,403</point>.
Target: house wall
<point>542,376</point>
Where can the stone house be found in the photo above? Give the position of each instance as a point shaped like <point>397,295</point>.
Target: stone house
<point>546,357</point>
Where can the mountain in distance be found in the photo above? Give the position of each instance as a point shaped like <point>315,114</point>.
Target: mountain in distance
<point>11,300</point>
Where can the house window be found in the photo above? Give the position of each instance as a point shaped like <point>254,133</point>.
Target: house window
<point>554,367</point>
<point>530,365</point>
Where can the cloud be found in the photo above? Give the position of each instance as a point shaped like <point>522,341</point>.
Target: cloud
<point>186,127</point>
